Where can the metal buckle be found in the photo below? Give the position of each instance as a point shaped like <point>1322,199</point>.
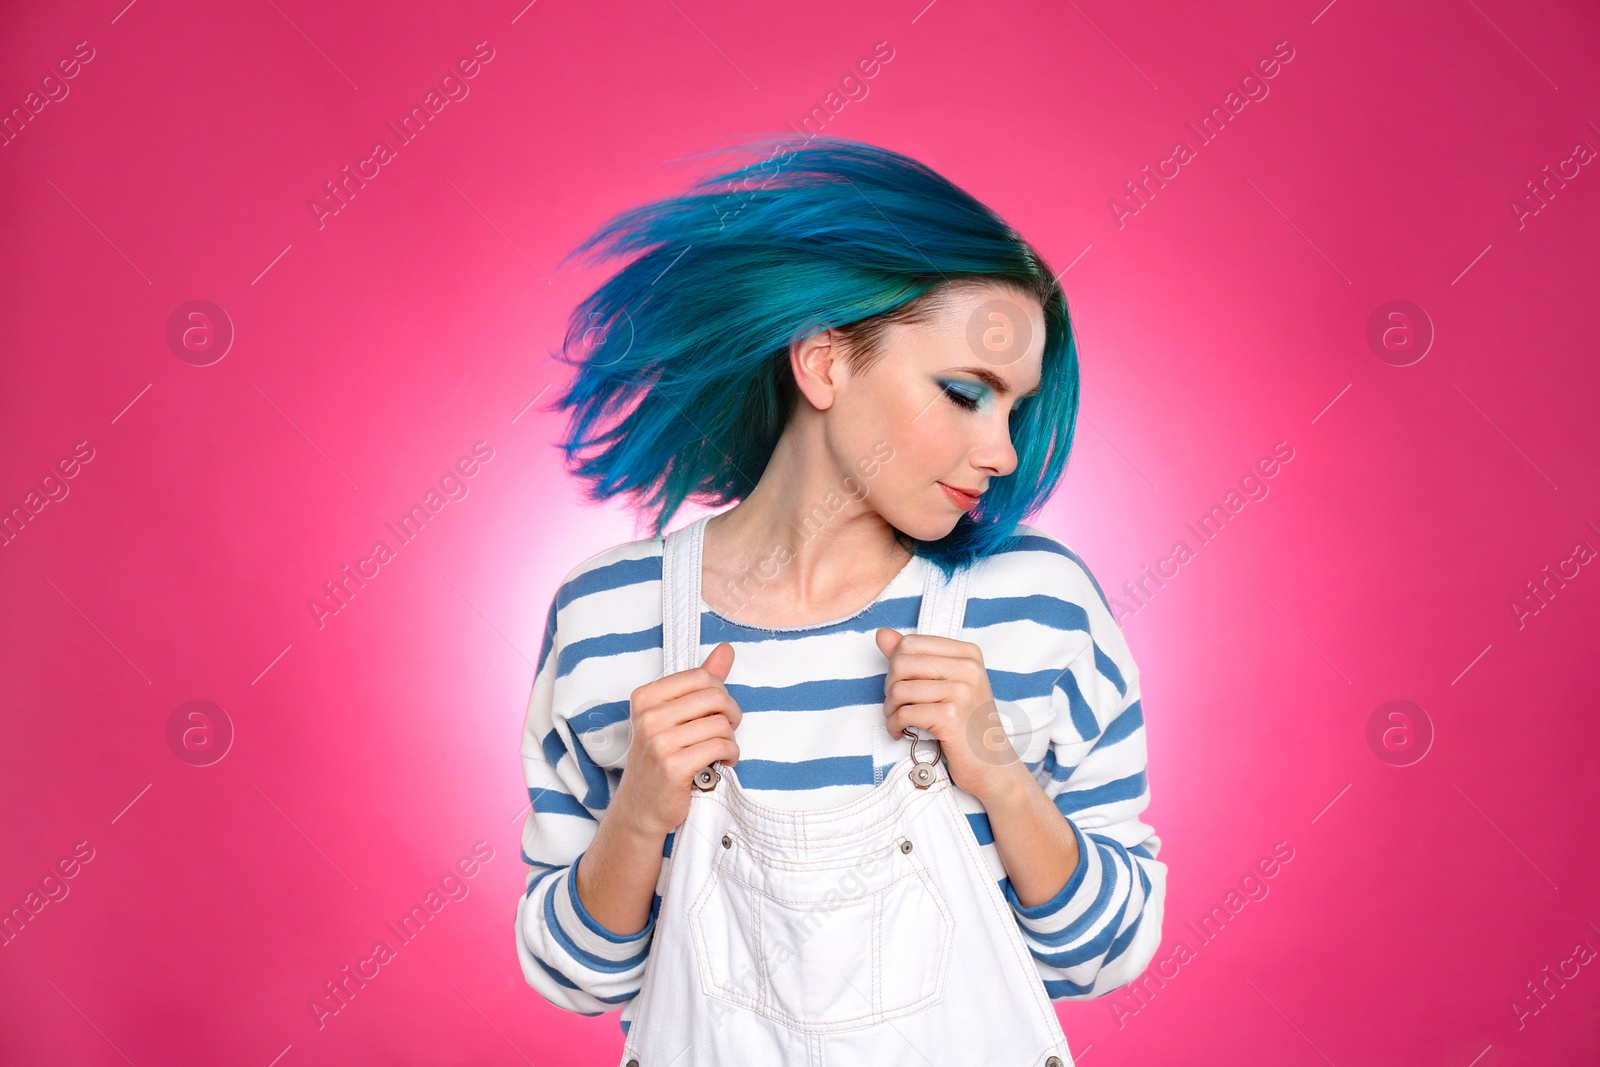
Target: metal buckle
<point>922,773</point>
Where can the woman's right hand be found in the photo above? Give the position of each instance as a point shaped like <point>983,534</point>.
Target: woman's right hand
<point>680,723</point>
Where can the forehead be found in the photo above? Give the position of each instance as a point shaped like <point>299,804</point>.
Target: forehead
<point>990,326</point>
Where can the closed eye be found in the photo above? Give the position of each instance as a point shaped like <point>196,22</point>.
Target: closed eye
<point>961,398</point>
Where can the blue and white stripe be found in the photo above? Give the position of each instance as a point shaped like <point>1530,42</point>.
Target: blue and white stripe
<point>813,736</point>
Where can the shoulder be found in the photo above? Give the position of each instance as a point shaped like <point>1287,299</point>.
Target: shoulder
<point>1043,581</point>
<point>1037,562</point>
<point>628,566</point>
<point>617,588</point>
<point>1047,631</point>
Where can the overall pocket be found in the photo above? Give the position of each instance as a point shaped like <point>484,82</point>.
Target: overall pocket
<point>825,944</point>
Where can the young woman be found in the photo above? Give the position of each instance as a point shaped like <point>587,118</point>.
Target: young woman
<point>884,748</point>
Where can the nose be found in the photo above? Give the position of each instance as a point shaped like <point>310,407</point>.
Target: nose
<point>994,453</point>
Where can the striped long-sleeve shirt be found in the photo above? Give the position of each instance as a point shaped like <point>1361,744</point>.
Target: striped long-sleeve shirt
<point>814,735</point>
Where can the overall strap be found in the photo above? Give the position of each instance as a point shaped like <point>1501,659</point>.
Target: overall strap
<point>680,597</point>
<point>944,602</point>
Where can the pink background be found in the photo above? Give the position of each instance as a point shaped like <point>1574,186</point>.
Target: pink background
<point>1228,314</point>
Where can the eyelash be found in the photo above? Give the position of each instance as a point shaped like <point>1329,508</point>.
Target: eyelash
<point>960,399</point>
<point>968,403</point>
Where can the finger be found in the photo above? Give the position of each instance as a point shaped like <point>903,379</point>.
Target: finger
<point>927,719</point>
<point>914,647</point>
<point>697,704</point>
<point>706,702</point>
<point>719,661</point>
<point>931,644</point>
<point>905,691</point>
<point>710,674</point>
<point>706,752</point>
<point>677,686</point>
<point>931,665</point>
<point>693,732</point>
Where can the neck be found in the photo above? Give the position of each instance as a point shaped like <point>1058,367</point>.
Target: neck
<point>803,542</point>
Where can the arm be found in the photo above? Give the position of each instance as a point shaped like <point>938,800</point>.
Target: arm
<point>1091,910</point>
<point>1037,847</point>
<point>581,960</point>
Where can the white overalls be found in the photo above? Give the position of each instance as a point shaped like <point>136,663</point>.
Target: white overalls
<point>865,935</point>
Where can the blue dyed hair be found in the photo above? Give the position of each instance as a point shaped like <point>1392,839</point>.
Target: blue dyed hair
<point>684,352</point>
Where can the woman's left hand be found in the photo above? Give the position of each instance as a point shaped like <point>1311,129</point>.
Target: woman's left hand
<point>940,686</point>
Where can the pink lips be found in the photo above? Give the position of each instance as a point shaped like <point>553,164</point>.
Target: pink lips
<point>959,497</point>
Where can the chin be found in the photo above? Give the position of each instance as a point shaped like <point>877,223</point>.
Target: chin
<point>926,526</point>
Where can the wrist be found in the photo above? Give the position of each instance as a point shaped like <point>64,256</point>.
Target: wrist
<point>632,821</point>
<point>1014,788</point>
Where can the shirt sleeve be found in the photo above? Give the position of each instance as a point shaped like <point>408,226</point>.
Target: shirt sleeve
<point>1103,928</point>
<point>566,954</point>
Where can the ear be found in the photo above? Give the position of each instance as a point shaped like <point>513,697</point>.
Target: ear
<point>818,367</point>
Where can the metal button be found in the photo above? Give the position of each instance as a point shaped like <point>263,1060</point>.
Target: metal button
<point>1053,1061</point>
<point>706,778</point>
<point>635,1063</point>
<point>905,846</point>
<point>727,842</point>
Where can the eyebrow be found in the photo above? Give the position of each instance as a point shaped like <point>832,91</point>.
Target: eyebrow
<point>995,382</point>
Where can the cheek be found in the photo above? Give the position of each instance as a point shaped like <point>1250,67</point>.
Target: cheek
<point>922,440</point>
<point>925,447</point>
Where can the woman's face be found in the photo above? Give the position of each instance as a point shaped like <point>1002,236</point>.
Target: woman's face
<point>933,412</point>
